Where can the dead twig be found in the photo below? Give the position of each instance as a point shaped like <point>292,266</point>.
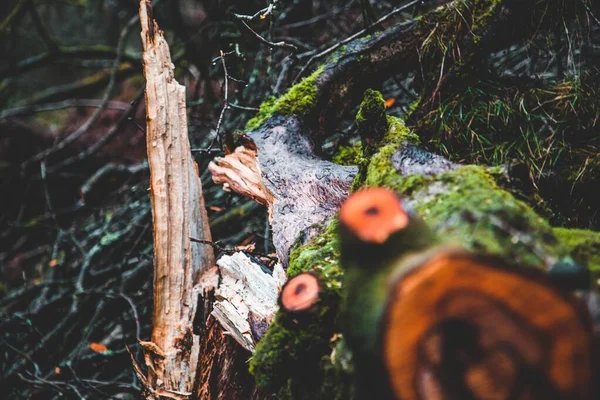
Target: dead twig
<point>331,49</point>
<point>272,45</point>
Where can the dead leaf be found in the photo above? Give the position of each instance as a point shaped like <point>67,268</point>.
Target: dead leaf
<point>98,347</point>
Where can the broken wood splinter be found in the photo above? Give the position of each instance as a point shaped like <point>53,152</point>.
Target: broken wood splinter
<point>374,214</point>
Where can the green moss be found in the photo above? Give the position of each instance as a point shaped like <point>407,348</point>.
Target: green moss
<point>413,107</point>
<point>266,109</point>
<point>483,18</point>
<point>371,108</point>
<point>304,358</point>
<point>380,163</point>
<point>349,155</point>
<point>291,352</point>
<point>320,255</point>
<point>371,121</point>
<point>583,245</point>
<point>481,216</point>
<point>379,170</point>
<point>288,355</point>
<point>338,54</point>
<point>299,100</point>
<point>466,204</point>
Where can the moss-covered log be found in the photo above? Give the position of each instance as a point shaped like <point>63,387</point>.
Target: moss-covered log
<point>470,204</point>
<point>464,203</point>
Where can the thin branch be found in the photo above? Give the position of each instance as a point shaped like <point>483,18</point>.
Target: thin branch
<point>68,52</point>
<point>331,13</point>
<point>272,45</point>
<point>125,117</point>
<point>225,103</point>
<point>60,105</point>
<point>263,13</point>
<point>589,10</point>
<point>244,108</point>
<point>286,65</point>
<point>107,93</point>
<point>331,49</point>
<point>15,13</point>
<point>110,168</point>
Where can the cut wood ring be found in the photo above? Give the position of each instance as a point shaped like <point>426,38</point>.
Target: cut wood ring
<point>374,214</point>
<point>464,326</point>
<point>300,293</point>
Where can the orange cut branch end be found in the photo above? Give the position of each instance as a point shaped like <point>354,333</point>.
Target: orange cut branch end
<point>374,214</point>
<point>300,293</point>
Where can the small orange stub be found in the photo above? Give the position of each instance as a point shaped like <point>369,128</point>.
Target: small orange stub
<point>374,214</point>
<point>300,293</point>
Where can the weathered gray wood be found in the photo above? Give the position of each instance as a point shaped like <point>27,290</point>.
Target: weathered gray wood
<point>246,297</point>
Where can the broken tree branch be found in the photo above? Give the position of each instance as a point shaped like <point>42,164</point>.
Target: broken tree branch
<point>178,213</point>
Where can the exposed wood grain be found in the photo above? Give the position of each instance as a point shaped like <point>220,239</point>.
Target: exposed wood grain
<point>239,172</point>
<point>223,368</point>
<point>246,298</point>
<point>178,213</point>
<point>456,328</point>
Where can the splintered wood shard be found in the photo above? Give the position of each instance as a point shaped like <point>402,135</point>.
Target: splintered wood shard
<point>178,213</point>
<point>246,297</point>
<point>239,172</point>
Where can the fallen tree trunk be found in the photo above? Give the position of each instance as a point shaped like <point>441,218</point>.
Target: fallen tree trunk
<point>303,191</point>
<point>461,202</point>
<point>279,165</point>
